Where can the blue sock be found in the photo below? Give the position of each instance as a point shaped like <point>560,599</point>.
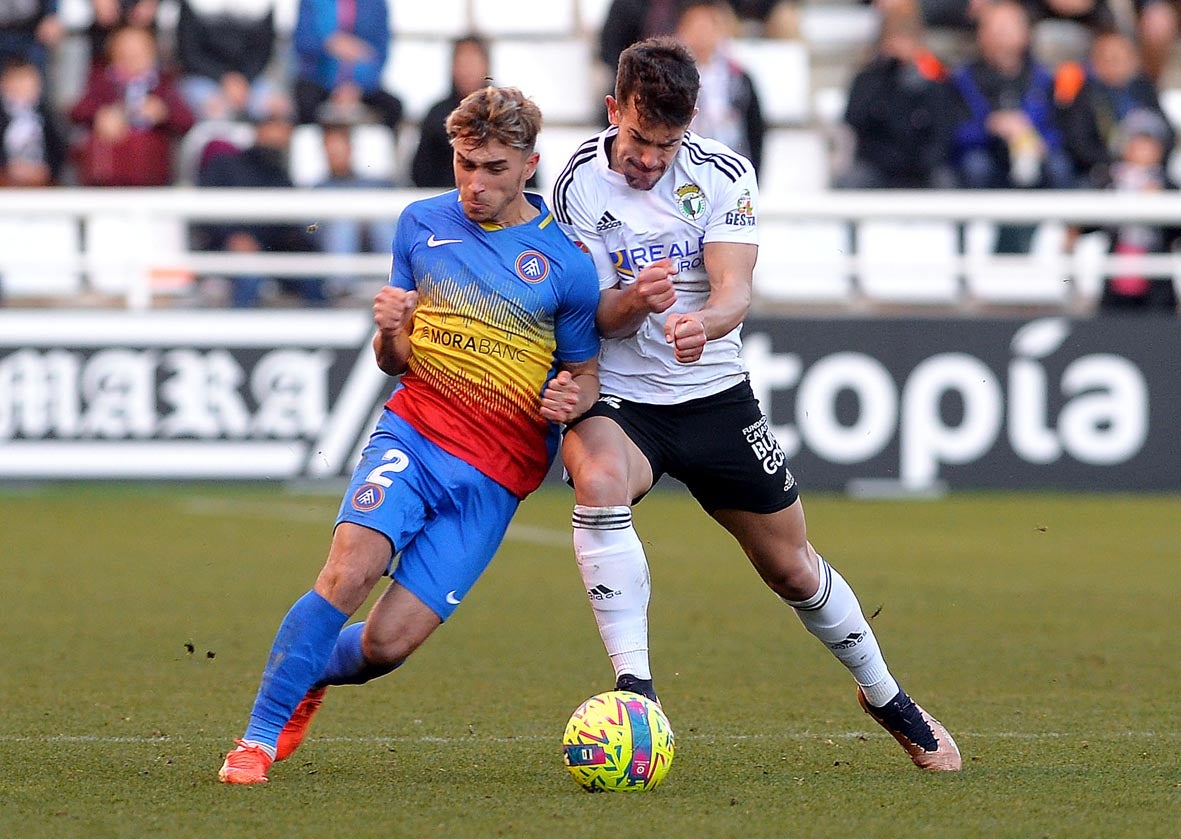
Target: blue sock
<point>302,646</point>
<point>347,664</point>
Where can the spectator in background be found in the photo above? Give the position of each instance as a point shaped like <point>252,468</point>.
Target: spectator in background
<point>1094,98</point>
<point>1157,29</point>
<point>768,18</point>
<point>727,104</point>
<point>223,49</point>
<point>898,111</point>
<point>32,148</point>
<point>628,21</point>
<point>341,47</point>
<point>1096,15</point>
<point>133,115</point>
<point>431,166</point>
<point>1144,135</point>
<point>262,166</point>
<point>111,15</point>
<point>29,30</point>
<point>1005,136</point>
<point>348,236</point>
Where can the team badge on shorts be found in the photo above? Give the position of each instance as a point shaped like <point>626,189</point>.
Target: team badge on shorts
<point>368,497</point>
<point>532,267</point>
<point>690,201</point>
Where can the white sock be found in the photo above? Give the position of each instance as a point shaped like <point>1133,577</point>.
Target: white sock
<point>615,573</point>
<point>266,747</point>
<point>834,616</point>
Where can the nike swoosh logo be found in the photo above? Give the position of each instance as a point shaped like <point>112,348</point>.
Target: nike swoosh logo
<point>432,242</point>
<point>451,598</point>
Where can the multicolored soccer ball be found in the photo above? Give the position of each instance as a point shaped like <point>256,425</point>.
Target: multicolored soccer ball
<point>618,741</point>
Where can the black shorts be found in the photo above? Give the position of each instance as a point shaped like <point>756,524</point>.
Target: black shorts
<point>719,446</point>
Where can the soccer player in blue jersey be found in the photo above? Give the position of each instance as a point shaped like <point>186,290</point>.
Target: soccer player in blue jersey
<point>489,318</point>
<point>671,220</point>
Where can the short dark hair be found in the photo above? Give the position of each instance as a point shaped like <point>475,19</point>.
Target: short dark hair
<point>471,40</point>
<point>660,78</point>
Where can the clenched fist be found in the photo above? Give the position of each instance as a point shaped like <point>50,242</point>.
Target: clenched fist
<point>393,309</point>
<point>654,285</point>
<point>559,400</point>
<point>686,333</point>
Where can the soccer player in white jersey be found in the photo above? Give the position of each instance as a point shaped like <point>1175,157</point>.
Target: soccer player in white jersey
<point>670,220</point>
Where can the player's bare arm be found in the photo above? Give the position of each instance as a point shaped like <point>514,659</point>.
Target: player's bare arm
<point>574,389</point>
<point>622,310</point>
<point>731,268</point>
<point>393,313</point>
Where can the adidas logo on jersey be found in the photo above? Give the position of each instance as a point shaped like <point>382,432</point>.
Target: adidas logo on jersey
<point>607,222</point>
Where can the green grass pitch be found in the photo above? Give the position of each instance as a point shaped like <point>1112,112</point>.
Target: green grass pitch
<point>1042,629</point>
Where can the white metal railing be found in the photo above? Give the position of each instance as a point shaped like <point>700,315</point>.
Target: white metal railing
<point>138,237</point>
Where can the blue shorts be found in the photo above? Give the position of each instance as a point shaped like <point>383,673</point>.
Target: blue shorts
<point>445,517</point>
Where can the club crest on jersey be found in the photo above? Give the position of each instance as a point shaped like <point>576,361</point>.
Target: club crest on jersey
<point>690,201</point>
<point>532,267</point>
<point>368,497</point>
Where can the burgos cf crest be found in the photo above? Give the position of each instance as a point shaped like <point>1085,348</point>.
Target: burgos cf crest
<point>532,267</point>
<point>690,201</point>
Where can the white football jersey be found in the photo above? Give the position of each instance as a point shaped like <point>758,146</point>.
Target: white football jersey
<point>708,194</point>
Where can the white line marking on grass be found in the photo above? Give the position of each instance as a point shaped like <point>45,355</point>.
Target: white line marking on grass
<point>536,738</point>
<point>545,536</point>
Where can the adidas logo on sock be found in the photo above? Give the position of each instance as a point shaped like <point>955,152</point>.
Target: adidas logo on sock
<point>607,222</point>
<point>602,592</point>
<point>850,640</point>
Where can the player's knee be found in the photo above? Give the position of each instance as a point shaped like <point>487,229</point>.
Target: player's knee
<point>355,564</point>
<point>600,484</point>
<point>794,573</point>
<point>387,648</point>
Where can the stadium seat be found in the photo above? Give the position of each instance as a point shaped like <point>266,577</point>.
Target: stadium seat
<point>134,254</point>
<point>803,262</point>
<point>591,14</point>
<point>1170,102</point>
<point>908,261</point>
<point>828,105</point>
<point>419,72</point>
<point>1039,277</point>
<point>838,27</point>
<point>551,18</point>
<point>436,19</point>
<point>306,161</point>
<point>556,145</point>
<point>564,97</point>
<point>37,257</point>
<point>286,13</point>
<point>793,161</point>
<point>375,152</point>
<point>781,77</point>
<point>1090,249</point>
<point>192,147</point>
<point>75,15</point>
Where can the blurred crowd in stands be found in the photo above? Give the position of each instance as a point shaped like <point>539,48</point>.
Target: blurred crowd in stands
<point>991,114</point>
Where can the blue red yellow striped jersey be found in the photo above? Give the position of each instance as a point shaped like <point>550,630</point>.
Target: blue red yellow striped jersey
<point>498,309</point>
